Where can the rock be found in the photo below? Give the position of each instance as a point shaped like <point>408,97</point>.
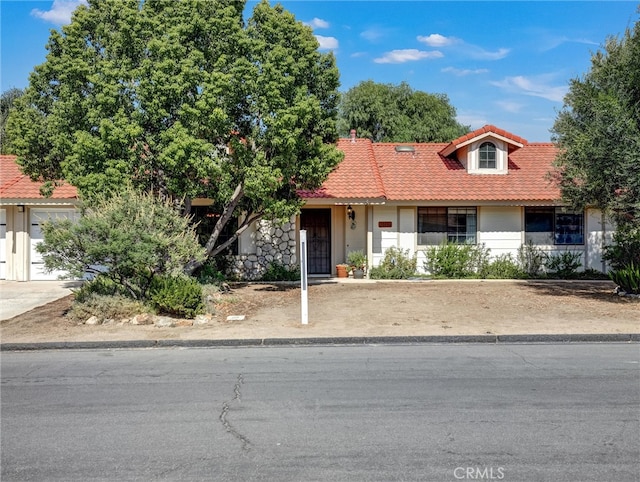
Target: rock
<point>164,322</point>
<point>94,320</point>
<point>236,318</point>
<point>184,323</point>
<point>622,293</point>
<point>142,319</point>
<point>203,319</point>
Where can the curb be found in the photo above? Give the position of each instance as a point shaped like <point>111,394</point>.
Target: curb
<point>372,340</point>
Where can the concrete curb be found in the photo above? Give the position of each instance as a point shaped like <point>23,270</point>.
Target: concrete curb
<point>364,340</point>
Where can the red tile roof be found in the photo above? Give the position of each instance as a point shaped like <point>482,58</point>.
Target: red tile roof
<point>377,170</point>
<point>487,129</point>
<point>16,185</point>
<point>356,177</point>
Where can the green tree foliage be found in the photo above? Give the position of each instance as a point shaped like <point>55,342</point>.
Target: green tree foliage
<point>598,132</point>
<point>186,99</point>
<point>397,113</point>
<point>6,103</point>
<point>129,239</point>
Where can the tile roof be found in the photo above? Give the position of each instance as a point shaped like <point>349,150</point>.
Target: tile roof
<point>16,185</point>
<point>356,177</point>
<point>372,170</point>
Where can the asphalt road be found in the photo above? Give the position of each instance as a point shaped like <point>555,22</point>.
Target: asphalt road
<point>328,413</point>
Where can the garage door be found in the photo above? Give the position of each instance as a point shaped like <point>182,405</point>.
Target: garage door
<point>3,244</point>
<point>39,216</point>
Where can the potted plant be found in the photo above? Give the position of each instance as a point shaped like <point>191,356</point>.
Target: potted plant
<point>342,270</point>
<point>358,262</point>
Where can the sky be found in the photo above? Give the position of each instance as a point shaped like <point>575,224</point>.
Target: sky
<point>506,63</point>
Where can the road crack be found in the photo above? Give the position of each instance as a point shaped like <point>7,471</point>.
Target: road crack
<point>226,407</point>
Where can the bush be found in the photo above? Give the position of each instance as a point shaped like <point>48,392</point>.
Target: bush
<point>177,296</point>
<point>628,278</point>
<point>564,265</point>
<point>396,264</point>
<point>105,306</point>
<point>100,285</point>
<point>531,259</point>
<point>452,260</point>
<point>210,273</point>
<point>129,238</point>
<point>278,272</point>
<point>503,267</point>
<point>625,250</point>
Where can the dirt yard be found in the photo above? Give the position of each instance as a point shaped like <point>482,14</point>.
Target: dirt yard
<point>419,308</point>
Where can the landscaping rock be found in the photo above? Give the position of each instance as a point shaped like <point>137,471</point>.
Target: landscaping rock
<point>94,320</point>
<point>164,322</point>
<point>203,319</point>
<point>142,319</point>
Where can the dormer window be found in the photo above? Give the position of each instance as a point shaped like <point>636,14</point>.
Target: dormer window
<point>487,156</point>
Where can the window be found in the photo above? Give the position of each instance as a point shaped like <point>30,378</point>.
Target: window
<point>207,217</point>
<point>487,153</point>
<point>454,225</point>
<point>545,224</point>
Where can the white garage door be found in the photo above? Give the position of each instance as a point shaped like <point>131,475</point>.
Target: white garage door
<point>3,244</point>
<point>38,216</point>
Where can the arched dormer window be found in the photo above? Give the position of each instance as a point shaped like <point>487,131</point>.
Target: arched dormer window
<point>487,159</point>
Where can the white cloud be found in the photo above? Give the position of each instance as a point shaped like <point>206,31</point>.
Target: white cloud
<point>60,12</point>
<point>373,34</point>
<point>406,55</point>
<point>472,119</point>
<point>509,106</point>
<point>469,50</point>
<point>317,23</point>
<point>481,54</point>
<point>327,43</point>
<point>534,86</point>
<point>437,40</point>
<point>463,72</point>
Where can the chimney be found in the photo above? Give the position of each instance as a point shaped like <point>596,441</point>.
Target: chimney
<point>353,135</point>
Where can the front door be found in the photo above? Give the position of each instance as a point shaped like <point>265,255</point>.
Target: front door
<point>317,222</point>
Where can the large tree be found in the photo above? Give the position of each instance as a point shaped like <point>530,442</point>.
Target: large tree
<point>598,133</point>
<point>6,103</point>
<point>186,99</point>
<point>397,113</point>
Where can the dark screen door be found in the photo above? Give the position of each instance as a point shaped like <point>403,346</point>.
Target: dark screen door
<point>317,222</point>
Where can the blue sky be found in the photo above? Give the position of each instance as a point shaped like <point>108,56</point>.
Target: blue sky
<point>506,63</point>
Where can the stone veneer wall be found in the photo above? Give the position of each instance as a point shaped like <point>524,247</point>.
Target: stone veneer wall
<point>274,243</point>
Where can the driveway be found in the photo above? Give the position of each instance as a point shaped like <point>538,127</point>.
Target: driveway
<point>17,297</point>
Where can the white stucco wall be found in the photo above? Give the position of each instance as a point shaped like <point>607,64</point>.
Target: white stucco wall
<point>500,229</point>
<point>383,237</point>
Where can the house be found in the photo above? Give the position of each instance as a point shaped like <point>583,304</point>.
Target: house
<point>488,186</point>
<point>22,210</point>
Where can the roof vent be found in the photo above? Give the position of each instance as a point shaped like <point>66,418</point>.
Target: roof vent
<point>405,149</point>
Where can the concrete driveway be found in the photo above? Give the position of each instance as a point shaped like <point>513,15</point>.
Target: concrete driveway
<point>17,297</point>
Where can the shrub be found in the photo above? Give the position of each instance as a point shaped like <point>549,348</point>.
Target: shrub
<point>357,259</point>
<point>453,260</point>
<point>503,267</point>
<point>625,249</point>
<point>531,259</point>
<point>129,238</point>
<point>100,285</point>
<point>628,278</point>
<point>177,296</point>
<point>396,264</point>
<point>105,306</point>
<point>278,272</point>
<point>210,273</point>
<point>564,265</point>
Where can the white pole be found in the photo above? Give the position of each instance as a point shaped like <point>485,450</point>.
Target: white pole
<point>304,302</point>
